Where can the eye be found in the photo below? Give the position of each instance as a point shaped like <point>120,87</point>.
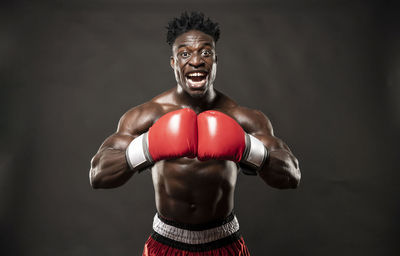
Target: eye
<point>184,54</point>
<point>206,53</point>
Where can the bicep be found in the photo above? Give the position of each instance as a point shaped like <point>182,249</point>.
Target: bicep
<point>257,124</point>
<point>117,141</point>
<point>114,143</point>
<point>133,123</point>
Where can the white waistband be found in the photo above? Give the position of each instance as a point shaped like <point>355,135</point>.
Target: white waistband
<point>195,237</point>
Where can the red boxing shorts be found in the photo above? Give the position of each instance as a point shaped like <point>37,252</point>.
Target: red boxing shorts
<point>219,238</point>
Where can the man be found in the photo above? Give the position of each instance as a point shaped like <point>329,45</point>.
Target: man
<point>194,140</point>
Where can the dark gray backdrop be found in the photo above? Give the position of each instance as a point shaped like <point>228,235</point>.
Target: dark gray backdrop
<point>326,73</point>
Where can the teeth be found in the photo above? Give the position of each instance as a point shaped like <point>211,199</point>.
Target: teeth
<point>196,74</point>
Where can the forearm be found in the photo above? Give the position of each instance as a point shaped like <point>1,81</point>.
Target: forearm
<point>109,169</point>
<point>281,170</point>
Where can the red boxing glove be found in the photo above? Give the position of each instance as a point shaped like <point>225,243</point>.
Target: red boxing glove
<point>174,135</point>
<point>221,137</point>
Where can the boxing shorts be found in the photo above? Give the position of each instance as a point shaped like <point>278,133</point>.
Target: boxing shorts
<point>219,238</point>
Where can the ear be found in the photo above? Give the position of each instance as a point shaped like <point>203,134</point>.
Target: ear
<point>172,62</point>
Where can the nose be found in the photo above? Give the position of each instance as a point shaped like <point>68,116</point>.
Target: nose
<point>196,61</point>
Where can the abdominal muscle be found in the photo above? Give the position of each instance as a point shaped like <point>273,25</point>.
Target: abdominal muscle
<point>194,192</point>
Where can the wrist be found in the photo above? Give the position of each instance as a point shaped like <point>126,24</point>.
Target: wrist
<point>137,153</point>
<point>254,156</point>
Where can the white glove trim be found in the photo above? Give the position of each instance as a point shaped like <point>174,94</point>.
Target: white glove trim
<point>137,153</point>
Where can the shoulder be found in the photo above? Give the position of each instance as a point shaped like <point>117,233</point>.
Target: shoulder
<point>253,121</point>
<point>138,119</point>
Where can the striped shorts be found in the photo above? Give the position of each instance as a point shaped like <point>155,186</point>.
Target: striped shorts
<point>219,238</point>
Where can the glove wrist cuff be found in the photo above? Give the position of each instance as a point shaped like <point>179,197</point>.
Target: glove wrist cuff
<point>137,153</point>
<point>255,154</point>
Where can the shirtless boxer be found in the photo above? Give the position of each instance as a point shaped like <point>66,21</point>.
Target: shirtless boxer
<point>194,140</point>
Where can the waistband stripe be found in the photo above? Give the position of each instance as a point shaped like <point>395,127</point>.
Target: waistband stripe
<point>195,237</point>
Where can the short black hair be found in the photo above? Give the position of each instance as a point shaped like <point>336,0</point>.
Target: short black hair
<point>192,21</point>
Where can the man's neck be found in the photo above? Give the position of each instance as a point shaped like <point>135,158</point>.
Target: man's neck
<point>198,104</point>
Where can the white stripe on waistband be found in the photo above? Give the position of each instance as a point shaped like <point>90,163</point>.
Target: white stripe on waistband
<point>195,237</point>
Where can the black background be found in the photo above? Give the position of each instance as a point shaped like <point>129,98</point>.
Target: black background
<point>326,73</point>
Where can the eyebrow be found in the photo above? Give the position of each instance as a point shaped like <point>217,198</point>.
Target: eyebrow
<point>204,44</point>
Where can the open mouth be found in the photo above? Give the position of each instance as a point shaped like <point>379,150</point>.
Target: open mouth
<point>197,79</point>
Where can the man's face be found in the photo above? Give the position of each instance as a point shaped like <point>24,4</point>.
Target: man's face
<point>194,62</point>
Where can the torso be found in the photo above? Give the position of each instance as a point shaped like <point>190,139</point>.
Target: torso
<point>192,191</point>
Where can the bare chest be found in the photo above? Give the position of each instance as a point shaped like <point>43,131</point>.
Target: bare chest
<point>185,177</point>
